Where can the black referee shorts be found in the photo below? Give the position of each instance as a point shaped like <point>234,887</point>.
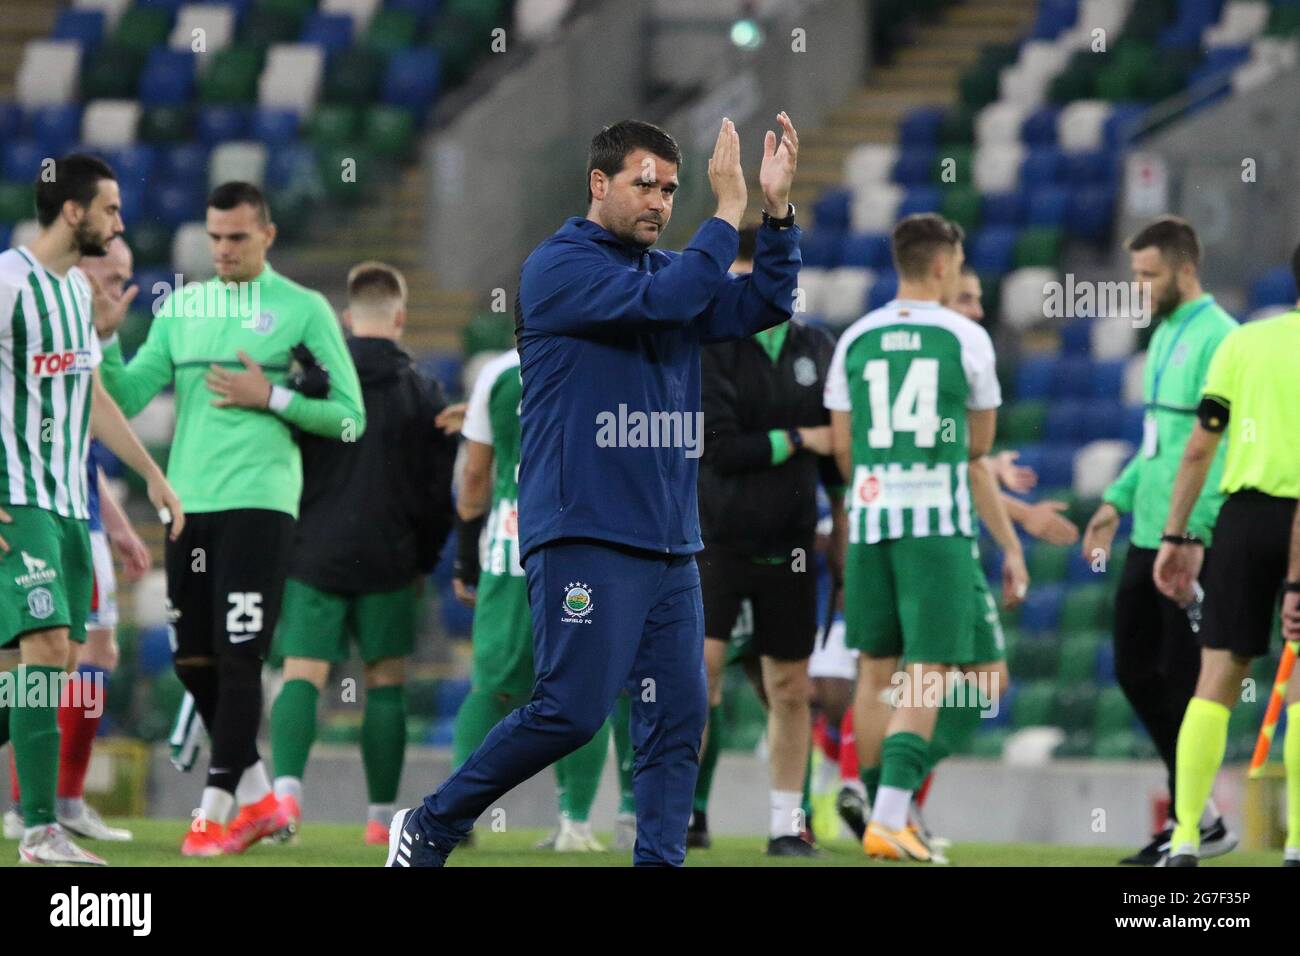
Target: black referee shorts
<point>1243,582</point>
<point>784,601</point>
<point>225,581</point>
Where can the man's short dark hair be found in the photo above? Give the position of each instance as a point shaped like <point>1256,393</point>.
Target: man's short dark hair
<point>612,145</point>
<point>76,177</point>
<point>918,238</point>
<point>375,282</point>
<point>233,194</point>
<point>1173,236</point>
<point>748,242</point>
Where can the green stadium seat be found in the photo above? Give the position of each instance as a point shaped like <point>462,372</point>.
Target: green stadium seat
<point>16,202</point>
<point>1074,706</point>
<point>1283,21</point>
<point>1033,703</point>
<point>1086,608</point>
<point>999,55</point>
<point>962,205</point>
<point>293,209</point>
<point>232,78</point>
<point>1034,658</point>
<point>1120,81</point>
<point>488,332</point>
<point>979,86</point>
<point>1078,80</point>
<point>421,697</point>
<point>1082,509</point>
<point>353,77</point>
<point>1147,19</point>
<point>262,28</point>
<point>1077,745</point>
<point>1022,423</point>
<point>1047,563</point>
<point>292,8</point>
<point>348,173</point>
<point>1038,246</point>
<point>1113,713</point>
<point>391,30</point>
<point>165,124</point>
<point>334,125</point>
<point>390,132</point>
<point>340,728</point>
<point>1162,79</point>
<point>962,174</point>
<point>1121,745</point>
<point>989,743</point>
<point>135,328</point>
<point>957,129</point>
<point>991,286</point>
<point>111,73</point>
<point>460,44</point>
<point>142,28</point>
<point>1078,661</point>
<point>151,243</point>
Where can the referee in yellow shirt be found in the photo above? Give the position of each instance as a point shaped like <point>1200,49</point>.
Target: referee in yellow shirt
<point>1251,394</point>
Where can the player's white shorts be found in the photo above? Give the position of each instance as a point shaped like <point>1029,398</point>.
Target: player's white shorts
<point>831,658</point>
<point>103,600</point>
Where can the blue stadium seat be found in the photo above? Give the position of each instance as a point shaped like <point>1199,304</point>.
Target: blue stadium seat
<point>457,619</point>
<point>441,732</point>
<point>884,290</point>
<point>1121,125</point>
<point>451,694</point>
<point>6,231</point>
<point>1073,378</point>
<point>1103,420</point>
<point>289,164</point>
<point>992,249</point>
<point>1041,167</point>
<point>132,194</point>
<point>1106,664</point>
<point>1076,337</point>
<point>153,283</point>
<point>1042,607</point>
<point>11,121</point>
<point>831,210</point>
<point>920,199</point>
<point>1274,287</point>
<point>870,249</point>
<point>181,160</point>
<point>445,367</point>
<point>1056,466</point>
<point>22,160</point>
<point>1078,570</point>
<point>171,6</point>
<point>275,127</point>
<point>1092,211</point>
<point>820,249</point>
<point>1034,377</point>
<point>1003,209</point>
<point>1065,423</point>
<point>920,127</point>
<point>56,129</point>
<point>1219,61</point>
<point>1039,127</point>
<point>1089,167</point>
<point>84,26</point>
<point>1131,428</point>
<point>914,167</point>
<point>1108,379</point>
<point>1048,206</point>
<point>168,78</point>
<point>330,31</point>
<point>1053,17</point>
<point>135,163</point>
<point>412,79</point>
<point>1191,20</point>
<point>153,651</point>
<point>178,201</point>
<point>422,8</point>
<point>220,124</point>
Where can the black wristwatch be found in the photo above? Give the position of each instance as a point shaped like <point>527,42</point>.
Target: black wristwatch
<point>796,440</point>
<point>1185,538</point>
<point>773,223</point>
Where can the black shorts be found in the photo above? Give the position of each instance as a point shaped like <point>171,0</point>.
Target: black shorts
<point>784,601</point>
<point>1243,582</point>
<point>225,581</point>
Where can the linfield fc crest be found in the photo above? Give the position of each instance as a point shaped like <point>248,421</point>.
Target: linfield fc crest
<point>40,603</point>
<point>577,601</point>
<point>263,323</point>
<point>805,371</point>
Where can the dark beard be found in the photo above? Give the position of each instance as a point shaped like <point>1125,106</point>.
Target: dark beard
<point>88,244</point>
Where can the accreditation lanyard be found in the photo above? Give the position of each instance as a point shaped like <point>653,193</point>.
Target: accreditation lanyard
<point>1150,442</point>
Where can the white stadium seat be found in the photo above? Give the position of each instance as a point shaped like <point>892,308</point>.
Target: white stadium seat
<point>539,20</point>
<point>1026,81</point>
<point>1105,15</point>
<point>1240,22</point>
<point>25,233</point>
<point>869,164</point>
<point>156,422</point>
<point>844,297</point>
<point>1134,376</point>
<point>213,23</point>
<point>237,162</point>
<point>998,124</point>
<point>110,123</point>
<point>1096,465</point>
<point>292,77</point>
<point>1082,125</point>
<point>997,168</point>
<point>812,283</point>
<point>47,75</point>
<point>191,254</point>
<point>113,10</point>
<point>1269,57</point>
<point>1023,292</point>
<point>150,599</point>
<point>1112,338</point>
<point>874,207</point>
<point>361,12</point>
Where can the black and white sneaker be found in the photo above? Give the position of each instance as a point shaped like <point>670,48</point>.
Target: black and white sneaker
<point>409,845</point>
<point>1217,839</point>
<point>1150,854</point>
<point>790,846</point>
<point>852,810</point>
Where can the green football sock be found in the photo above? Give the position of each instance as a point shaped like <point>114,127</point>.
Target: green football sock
<point>870,777</point>
<point>4,721</point>
<point>903,761</point>
<point>383,741</point>
<point>805,801</point>
<point>582,770</point>
<point>293,727</point>
<point>623,752</point>
<point>35,730</point>
<point>1202,739</point>
<point>478,714</point>
<point>1291,759</point>
<point>708,761</point>
<point>952,729</point>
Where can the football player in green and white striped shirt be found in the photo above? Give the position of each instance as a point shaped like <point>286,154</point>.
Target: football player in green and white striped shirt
<point>51,400</point>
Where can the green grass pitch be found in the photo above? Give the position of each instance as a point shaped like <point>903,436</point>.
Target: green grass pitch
<point>157,843</point>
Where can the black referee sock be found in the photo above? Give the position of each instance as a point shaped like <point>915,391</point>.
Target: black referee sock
<point>234,726</point>
<point>201,682</point>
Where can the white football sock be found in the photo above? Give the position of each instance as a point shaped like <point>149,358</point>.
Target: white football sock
<point>289,787</point>
<point>379,812</point>
<point>890,809</point>
<point>216,805</point>
<point>785,817</point>
<point>1210,813</point>
<point>253,785</point>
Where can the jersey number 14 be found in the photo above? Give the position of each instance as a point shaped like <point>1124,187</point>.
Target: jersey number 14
<point>915,408</point>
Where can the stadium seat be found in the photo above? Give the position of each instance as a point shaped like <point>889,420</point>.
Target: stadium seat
<point>1034,658</point>
<point>1037,247</point>
<point>1274,287</point>
<point>1081,124</point>
<point>999,124</point>
<point>1048,206</point>
<point>991,249</point>
<point>133,162</point>
<point>142,29</point>
<point>1097,464</point>
<point>1078,659</point>
<point>111,72</point>
<point>844,293</point>
<point>168,78</point>
<point>48,72</point>
<point>21,159</point>
<point>232,77</point>
<point>176,202</point>
<point>920,128</point>
<point>1042,608</point>
<point>292,77</point>
<point>1107,379</point>
<point>869,164</point>
<point>1002,208</point>
<point>332,33</point>
<point>110,123</point>
<point>958,126</point>
<point>1046,564</point>
<point>962,205</point>
<point>203,28</point>
<point>55,128</point>
<point>411,80</point>
<point>914,167</point>
<point>220,124</point>
<point>275,128</point>
<point>334,125</point>
<point>190,253</point>
<point>820,249</point>
<point>1054,16</point>
<point>875,210</point>
<point>1040,167</point>
<point>391,30</point>
<point>16,202</point>
<point>920,199</point>
<point>1033,704</point>
<point>1022,422</point>
<point>361,12</point>
<point>237,161</point>
<point>869,249</point>
<point>1074,706</point>
<point>84,27</point>
<point>831,210</point>
<point>1113,338</point>
<point>1039,127</point>
<point>153,245</point>
<point>995,167</point>
<point>1240,22</point>
<point>1066,422</point>
<point>883,290</point>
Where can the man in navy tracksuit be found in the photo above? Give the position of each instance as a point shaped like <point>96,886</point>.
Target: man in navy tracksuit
<point>609,336</point>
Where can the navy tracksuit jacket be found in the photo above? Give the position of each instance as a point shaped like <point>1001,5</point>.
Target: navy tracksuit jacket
<point>609,343</point>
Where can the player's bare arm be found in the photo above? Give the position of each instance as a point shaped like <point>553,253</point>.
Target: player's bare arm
<point>127,546</point>
<point>1042,519</point>
<point>472,500</point>
<point>1015,576</point>
<point>109,425</point>
<point>1100,533</point>
<point>1178,565</point>
<point>842,443</point>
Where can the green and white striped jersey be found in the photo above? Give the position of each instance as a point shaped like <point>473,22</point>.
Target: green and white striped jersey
<point>492,418</point>
<point>908,372</point>
<point>48,354</point>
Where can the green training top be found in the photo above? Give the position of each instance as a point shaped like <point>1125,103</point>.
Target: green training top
<point>227,458</point>
<point>492,418</point>
<point>1254,373</point>
<point>1178,356</point>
